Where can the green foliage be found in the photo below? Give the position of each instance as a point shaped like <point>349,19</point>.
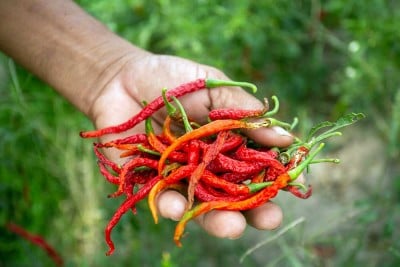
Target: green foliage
<point>321,58</point>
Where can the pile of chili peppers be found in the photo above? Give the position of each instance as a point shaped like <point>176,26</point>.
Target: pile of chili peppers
<point>215,165</point>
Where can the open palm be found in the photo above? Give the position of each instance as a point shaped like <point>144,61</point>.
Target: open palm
<point>142,80</point>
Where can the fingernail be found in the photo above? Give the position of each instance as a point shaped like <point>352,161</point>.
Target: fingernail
<point>281,131</point>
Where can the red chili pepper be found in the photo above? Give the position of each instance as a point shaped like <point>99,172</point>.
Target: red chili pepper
<point>132,139</point>
<point>296,192</point>
<point>127,167</point>
<point>166,130</point>
<point>37,240</point>
<point>248,203</point>
<point>248,154</point>
<point>209,155</point>
<point>234,114</point>
<point>205,193</point>
<point>159,146</point>
<point>193,152</point>
<point>223,163</point>
<point>253,201</point>
<point>148,110</point>
<point>105,172</point>
<point>204,131</point>
<point>124,207</point>
<point>230,188</point>
<point>174,177</point>
<point>158,103</point>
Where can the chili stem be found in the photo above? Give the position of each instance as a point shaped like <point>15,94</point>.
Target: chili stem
<point>212,83</point>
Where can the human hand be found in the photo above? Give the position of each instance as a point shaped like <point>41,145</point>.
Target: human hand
<point>142,79</point>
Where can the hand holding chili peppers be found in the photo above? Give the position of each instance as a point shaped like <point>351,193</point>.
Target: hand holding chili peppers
<point>201,160</point>
<point>124,95</point>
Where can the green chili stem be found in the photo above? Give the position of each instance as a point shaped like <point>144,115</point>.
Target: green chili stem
<point>294,123</point>
<point>318,139</point>
<point>275,122</point>
<point>185,120</point>
<point>171,109</point>
<point>148,151</point>
<point>302,186</point>
<point>294,173</point>
<point>325,160</point>
<point>274,110</point>
<point>212,83</point>
<point>254,187</point>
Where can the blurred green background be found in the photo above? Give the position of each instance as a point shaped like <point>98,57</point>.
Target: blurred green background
<point>321,58</point>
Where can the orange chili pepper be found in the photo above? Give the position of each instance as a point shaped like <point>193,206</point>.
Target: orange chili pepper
<point>166,130</point>
<point>252,202</point>
<point>206,130</point>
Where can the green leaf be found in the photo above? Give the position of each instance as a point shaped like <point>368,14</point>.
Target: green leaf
<point>318,127</point>
<point>340,123</point>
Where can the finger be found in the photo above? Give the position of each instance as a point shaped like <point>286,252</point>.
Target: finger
<point>223,224</point>
<point>171,204</point>
<point>274,136</point>
<point>266,217</point>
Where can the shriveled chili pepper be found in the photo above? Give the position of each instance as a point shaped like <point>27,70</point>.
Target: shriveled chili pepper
<point>158,103</point>
<point>158,145</point>
<point>223,163</point>
<point>295,191</point>
<point>246,204</point>
<point>208,156</point>
<point>135,162</point>
<point>105,172</point>
<point>166,130</point>
<point>174,177</point>
<point>234,177</point>
<point>193,152</point>
<point>252,202</point>
<point>229,187</point>
<point>104,160</point>
<point>38,241</point>
<point>132,139</point>
<point>207,130</point>
<point>248,154</point>
<point>234,114</point>
<point>205,193</point>
<point>124,207</point>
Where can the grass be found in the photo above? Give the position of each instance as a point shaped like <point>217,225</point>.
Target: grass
<point>49,183</point>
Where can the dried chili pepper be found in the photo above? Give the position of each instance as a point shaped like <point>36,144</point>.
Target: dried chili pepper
<point>207,130</point>
<point>124,207</point>
<point>37,240</point>
<point>136,162</point>
<point>209,155</point>
<point>252,202</point>
<point>158,103</point>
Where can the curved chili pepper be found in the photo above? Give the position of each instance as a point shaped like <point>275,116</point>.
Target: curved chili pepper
<point>208,156</point>
<point>253,201</point>
<point>206,130</point>
<point>174,177</point>
<point>159,146</point>
<point>223,163</point>
<point>205,193</point>
<point>132,139</point>
<point>127,167</point>
<point>158,103</point>
<point>166,130</point>
<point>38,241</point>
<point>230,188</point>
<point>124,207</point>
<point>248,154</point>
<point>234,114</point>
